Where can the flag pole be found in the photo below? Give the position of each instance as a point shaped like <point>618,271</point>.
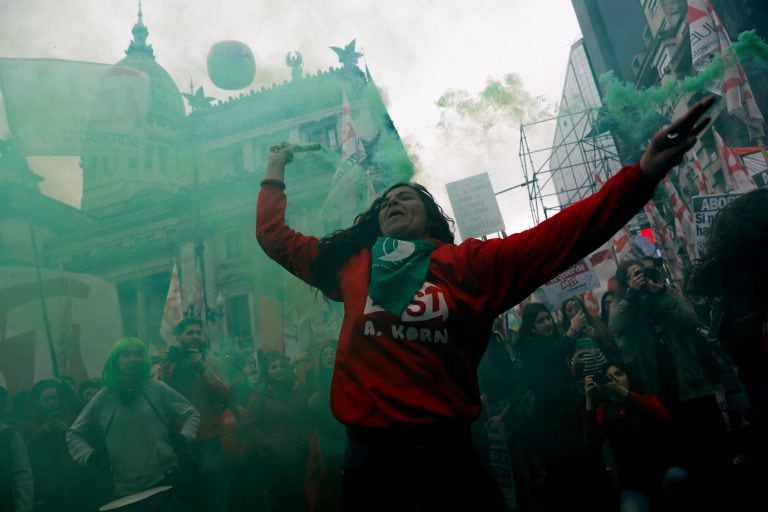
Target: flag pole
<point>43,308</point>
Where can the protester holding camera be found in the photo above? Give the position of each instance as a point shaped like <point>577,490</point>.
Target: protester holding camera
<point>656,332</point>
<point>637,427</point>
<point>203,470</point>
<point>659,342</point>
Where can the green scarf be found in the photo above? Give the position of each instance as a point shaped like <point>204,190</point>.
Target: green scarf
<point>398,269</point>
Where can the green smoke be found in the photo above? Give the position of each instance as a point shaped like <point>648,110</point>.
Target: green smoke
<point>500,101</point>
<point>632,114</point>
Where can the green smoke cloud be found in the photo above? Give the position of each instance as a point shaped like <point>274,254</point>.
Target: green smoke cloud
<point>632,114</point>
<point>500,101</point>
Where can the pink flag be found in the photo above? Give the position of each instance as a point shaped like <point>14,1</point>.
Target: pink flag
<point>668,246</point>
<point>709,39</point>
<point>737,177</point>
<point>684,225</point>
<point>172,312</point>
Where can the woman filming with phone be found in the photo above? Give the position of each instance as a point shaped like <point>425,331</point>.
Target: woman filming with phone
<point>637,427</point>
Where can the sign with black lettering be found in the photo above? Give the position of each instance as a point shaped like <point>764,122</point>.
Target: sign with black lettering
<point>575,280</point>
<point>475,209</point>
<point>705,209</point>
<point>758,169</point>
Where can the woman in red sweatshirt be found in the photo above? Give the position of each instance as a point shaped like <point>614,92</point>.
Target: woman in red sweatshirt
<point>638,427</point>
<point>418,314</point>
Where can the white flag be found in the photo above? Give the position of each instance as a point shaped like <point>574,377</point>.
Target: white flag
<point>172,314</point>
<point>737,176</point>
<point>349,176</point>
<point>703,180</point>
<point>684,225</point>
<point>709,39</point>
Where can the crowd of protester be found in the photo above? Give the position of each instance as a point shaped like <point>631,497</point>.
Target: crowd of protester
<point>645,405</point>
<point>220,443</point>
<point>632,407</point>
<point>655,416</point>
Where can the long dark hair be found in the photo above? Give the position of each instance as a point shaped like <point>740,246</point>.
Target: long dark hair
<point>591,320</point>
<point>530,312</point>
<point>34,409</point>
<point>622,277</point>
<point>266,383</point>
<point>735,257</point>
<point>336,248</point>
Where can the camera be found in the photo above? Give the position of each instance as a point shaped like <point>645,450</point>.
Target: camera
<point>600,378</point>
<point>652,274</point>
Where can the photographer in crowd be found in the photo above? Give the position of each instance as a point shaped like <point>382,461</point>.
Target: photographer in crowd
<point>203,472</point>
<point>657,335</point>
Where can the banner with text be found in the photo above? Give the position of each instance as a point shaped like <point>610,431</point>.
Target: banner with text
<point>577,279</point>
<point>67,108</point>
<point>474,206</point>
<point>757,168</point>
<point>705,209</point>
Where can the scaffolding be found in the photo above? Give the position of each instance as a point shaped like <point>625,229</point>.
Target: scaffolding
<point>560,173</point>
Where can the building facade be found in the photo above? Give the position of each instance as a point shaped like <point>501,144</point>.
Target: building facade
<point>188,196</point>
<point>581,153</point>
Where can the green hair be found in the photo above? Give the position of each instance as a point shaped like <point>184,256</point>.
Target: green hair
<point>111,374</point>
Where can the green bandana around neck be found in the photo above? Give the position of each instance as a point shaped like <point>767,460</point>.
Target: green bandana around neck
<point>398,269</point>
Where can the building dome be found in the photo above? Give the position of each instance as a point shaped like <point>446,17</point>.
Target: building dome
<point>165,103</point>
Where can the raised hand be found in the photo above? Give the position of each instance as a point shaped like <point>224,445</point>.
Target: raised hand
<point>669,144</point>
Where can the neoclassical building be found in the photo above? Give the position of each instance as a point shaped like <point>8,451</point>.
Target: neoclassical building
<point>188,196</point>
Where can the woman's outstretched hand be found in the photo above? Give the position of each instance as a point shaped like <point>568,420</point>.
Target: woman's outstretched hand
<point>669,144</point>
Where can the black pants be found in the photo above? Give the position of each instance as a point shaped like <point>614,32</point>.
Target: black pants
<point>425,469</point>
<point>204,476</point>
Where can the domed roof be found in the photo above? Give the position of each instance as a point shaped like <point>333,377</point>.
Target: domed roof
<point>165,103</point>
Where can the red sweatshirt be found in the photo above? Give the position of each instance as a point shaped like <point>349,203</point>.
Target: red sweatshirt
<point>422,366</point>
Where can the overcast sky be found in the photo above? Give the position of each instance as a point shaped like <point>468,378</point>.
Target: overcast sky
<point>415,50</point>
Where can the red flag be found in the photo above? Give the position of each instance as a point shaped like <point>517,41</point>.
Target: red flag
<point>737,177</point>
